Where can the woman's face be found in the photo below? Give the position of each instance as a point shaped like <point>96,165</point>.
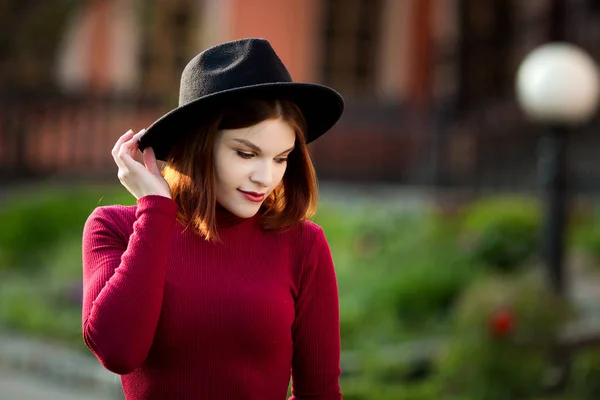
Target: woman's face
<point>250,163</point>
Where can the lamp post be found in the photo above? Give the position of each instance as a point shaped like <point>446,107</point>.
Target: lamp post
<point>557,87</point>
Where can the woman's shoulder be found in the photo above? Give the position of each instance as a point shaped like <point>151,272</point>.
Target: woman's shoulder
<point>311,227</point>
<point>306,233</point>
<point>115,217</point>
<point>310,244</point>
<point>114,210</point>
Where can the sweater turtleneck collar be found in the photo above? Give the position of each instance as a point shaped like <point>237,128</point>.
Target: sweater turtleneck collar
<point>226,218</point>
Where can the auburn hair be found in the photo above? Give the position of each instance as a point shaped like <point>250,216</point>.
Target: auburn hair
<point>190,169</point>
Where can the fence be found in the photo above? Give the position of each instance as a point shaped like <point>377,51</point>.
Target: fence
<point>52,135</point>
<point>48,135</point>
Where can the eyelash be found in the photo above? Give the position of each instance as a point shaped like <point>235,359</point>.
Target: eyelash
<point>247,156</point>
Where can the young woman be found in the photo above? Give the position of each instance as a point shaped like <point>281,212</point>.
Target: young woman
<point>215,285</point>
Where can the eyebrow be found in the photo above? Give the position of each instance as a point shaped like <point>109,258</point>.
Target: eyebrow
<point>255,147</point>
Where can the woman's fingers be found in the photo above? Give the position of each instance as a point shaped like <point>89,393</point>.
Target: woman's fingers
<point>139,179</point>
<point>127,150</point>
<point>126,136</point>
<point>115,150</point>
<point>150,161</point>
<point>130,146</point>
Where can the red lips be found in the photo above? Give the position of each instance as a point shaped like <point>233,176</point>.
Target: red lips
<point>253,196</point>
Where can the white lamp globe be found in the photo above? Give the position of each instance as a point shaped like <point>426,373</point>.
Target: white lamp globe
<point>558,83</point>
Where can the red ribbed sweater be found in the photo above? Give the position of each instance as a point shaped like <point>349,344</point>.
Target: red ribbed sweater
<point>181,318</point>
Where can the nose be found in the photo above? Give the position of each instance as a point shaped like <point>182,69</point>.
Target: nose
<point>263,174</point>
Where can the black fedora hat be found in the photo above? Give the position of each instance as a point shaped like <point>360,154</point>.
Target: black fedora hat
<point>242,68</point>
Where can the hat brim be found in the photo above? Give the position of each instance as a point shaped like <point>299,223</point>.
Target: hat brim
<point>321,106</point>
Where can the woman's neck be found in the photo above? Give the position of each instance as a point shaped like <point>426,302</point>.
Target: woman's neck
<point>226,218</point>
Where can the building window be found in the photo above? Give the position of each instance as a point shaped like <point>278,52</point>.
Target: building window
<point>31,40</point>
<point>351,32</point>
<point>168,29</point>
<point>485,50</point>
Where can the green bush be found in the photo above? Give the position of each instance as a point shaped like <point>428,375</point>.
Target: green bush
<point>41,308</point>
<point>34,223</point>
<point>503,330</point>
<point>586,238</point>
<point>585,375</point>
<point>40,259</point>
<point>502,232</point>
<point>46,304</point>
<point>368,389</point>
<point>404,273</point>
<point>422,269</point>
<point>402,276</point>
<point>425,289</point>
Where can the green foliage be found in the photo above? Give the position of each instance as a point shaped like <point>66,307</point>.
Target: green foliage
<point>34,223</point>
<point>426,288</point>
<point>367,389</point>
<point>481,363</point>
<point>403,276</point>
<point>586,238</point>
<point>40,259</point>
<point>42,307</point>
<point>502,232</point>
<point>539,312</point>
<point>585,375</point>
<point>398,275</point>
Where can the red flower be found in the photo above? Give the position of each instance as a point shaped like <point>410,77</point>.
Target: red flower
<point>502,323</point>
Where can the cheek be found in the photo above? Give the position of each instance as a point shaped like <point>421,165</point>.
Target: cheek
<point>219,162</point>
<point>231,171</point>
<point>278,173</point>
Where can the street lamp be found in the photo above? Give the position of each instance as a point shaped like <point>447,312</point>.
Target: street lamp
<point>558,87</point>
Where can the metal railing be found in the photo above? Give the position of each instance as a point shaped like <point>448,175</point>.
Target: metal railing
<point>493,147</point>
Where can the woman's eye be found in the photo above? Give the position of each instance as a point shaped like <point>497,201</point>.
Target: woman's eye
<point>280,160</point>
<point>245,155</point>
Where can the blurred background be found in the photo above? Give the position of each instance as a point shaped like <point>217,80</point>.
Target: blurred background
<point>459,194</point>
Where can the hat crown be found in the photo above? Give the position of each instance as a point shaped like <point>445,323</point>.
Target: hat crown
<point>231,65</point>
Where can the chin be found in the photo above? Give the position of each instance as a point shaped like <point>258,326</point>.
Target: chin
<point>245,212</point>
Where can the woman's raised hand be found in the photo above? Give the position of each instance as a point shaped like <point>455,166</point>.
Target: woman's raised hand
<point>140,180</point>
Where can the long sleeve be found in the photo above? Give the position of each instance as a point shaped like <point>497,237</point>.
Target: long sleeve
<point>123,281</point>
<point>316,328</point>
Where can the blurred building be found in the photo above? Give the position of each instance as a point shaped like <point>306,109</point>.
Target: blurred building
<point>363,48</point>
<point>422,78</point>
